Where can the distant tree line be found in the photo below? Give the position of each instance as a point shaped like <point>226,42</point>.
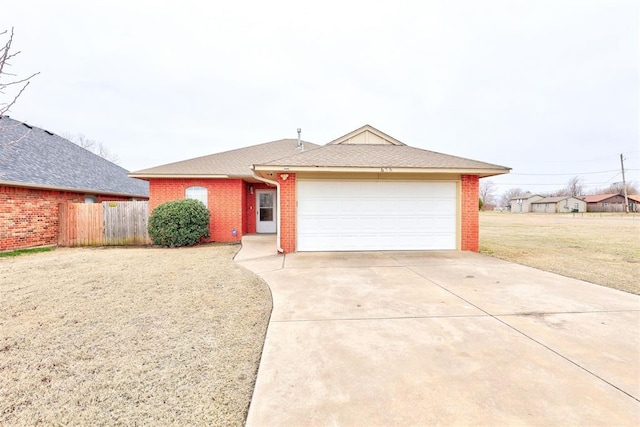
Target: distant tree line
<point>574,187</point>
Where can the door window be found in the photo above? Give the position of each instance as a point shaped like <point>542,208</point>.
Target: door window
<point>266,206</point>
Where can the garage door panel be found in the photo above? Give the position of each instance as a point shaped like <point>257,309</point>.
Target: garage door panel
<point>352,242</point>
<point>361,215</point>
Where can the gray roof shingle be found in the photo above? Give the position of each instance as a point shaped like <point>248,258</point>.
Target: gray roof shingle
<point>34,156</point>
<point>554,199</point>
<point>234,163</point>
<point>380,156</point>
<point>365,147</point>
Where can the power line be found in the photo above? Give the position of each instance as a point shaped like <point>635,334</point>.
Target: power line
<point>565,174</point>
<point>591,184</point>
<point>613,177</point>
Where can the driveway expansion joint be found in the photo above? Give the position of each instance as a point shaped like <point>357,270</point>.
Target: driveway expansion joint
<point>341,319</point>
<point>319,344</point>
<point>550,313</point>
<point>556,352</point>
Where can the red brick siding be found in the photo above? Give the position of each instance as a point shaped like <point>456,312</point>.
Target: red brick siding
<point>225,202</point>
<point>29,216</point>
<point>469,212</point>
<point>288,212</point>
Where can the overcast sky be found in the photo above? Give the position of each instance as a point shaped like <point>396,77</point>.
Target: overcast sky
<point>549,88</point>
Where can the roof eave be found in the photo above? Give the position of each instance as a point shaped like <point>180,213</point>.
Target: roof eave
<point>179,175</point>
<point>481,172</point>
<point>70,189</point>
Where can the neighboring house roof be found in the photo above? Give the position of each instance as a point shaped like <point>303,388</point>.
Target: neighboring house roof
<point>634,197</point>
<point>555,199</point>
<point>525,196</point>
<point>367,147</point>
<point>229,164</point>
<point>599,197</point>
<point>34,157</point>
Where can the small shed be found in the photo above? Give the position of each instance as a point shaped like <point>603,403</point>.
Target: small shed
<point>522,204</point>
<point>559,204</point>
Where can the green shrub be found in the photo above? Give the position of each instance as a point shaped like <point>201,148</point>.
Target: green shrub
<point>179,223</point>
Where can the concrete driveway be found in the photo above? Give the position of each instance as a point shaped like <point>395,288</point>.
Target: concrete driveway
<point>449,338</point>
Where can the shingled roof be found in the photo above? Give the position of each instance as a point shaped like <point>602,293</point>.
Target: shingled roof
<point>34,157</point>
<point>554,199</point>
<point>229,164</point>
<point>596,198</point>
<point>367,147</point>
<point>379,156</point>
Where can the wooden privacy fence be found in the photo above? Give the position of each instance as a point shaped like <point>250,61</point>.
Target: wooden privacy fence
<point>103,224</point>
<point>613,207</point>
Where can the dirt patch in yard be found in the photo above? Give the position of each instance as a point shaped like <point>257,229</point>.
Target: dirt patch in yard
<point>598,248</point>
<point>141,336</point>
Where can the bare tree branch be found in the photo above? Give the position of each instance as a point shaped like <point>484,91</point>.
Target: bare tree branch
<point>3,85</point>
<point>487,193</point>
<point>574,188</point>
<point>511,194</point>
<point>6,107</point>
<point>5,56</point>
<point>95,147</point>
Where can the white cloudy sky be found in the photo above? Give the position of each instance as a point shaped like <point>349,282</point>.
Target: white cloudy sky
<point>549,88</point>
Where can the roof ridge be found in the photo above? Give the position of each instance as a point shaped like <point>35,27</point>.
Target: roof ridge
<point>229,151</point>
<point>298,153</point>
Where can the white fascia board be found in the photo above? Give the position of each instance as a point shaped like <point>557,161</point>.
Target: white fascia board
<point>168,175</point>
<point>343,169</point>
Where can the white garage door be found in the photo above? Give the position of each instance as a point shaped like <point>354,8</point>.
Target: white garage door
<point>366,215</point>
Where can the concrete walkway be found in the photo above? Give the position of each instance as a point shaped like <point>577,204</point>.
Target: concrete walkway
<point>440,338</point>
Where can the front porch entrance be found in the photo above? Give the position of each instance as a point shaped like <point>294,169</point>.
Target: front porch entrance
<point>266,211</point>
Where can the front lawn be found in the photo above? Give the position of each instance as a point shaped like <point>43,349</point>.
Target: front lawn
<point>136,336</point>
<point>597,248</point>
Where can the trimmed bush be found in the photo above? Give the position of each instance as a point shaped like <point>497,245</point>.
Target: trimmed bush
<point>179,223</point>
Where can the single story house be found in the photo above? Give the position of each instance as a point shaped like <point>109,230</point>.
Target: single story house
<point>38,171</point>
<point>363,191</point>
<point>606,203</point>
<point>559,204</point>
<point>522,204</point>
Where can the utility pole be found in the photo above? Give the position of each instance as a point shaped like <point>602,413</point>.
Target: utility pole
<point>624,186</point>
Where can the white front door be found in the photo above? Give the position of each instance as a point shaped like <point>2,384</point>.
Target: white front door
<point>266,211</point>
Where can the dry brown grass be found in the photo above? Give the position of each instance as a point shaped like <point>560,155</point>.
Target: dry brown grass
<point>598,248</point>
<point>129,337</point>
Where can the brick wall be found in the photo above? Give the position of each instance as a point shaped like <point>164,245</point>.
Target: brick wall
<point>288,212</point>
<point>470,220</point>
<point>225,199</point>
<point>29,217</point>
<point>233,206</point>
